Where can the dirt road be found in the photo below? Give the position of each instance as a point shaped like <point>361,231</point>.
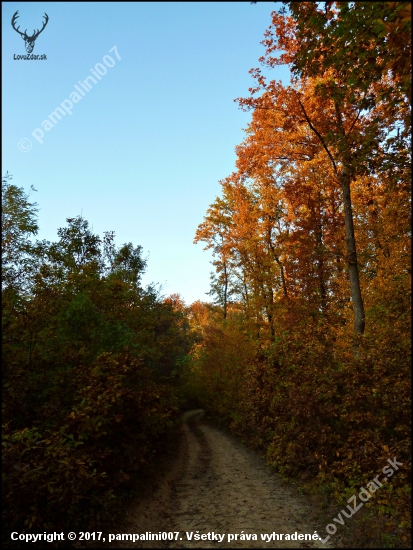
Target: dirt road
<point>219,486</point>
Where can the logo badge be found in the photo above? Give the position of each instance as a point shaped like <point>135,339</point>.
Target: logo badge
<point>29,40</point>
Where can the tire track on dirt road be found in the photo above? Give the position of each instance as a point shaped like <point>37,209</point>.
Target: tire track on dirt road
<point>219,485</point>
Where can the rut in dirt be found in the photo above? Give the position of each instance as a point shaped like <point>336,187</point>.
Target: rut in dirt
<point>220,486</point>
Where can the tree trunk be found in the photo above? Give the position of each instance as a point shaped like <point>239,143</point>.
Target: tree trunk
<point>280,265</point>
<point>344,179</point>
<point>270,314</point>
<point>225,289</point>
<point>282,275</point>
<point>359,315</point>
<point>320,256</point>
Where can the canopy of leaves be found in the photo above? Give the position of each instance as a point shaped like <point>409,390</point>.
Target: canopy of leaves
<point>278,362</point>
<point>89,372</point>
<point>19,224</point>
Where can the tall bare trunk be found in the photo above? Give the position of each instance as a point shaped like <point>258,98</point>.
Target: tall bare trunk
<point>344,178</point>
<point>225,289</point>
<point>320,255</point>
<point>359,315</point>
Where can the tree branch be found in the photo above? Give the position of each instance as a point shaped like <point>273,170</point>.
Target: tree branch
<point>320,137</point>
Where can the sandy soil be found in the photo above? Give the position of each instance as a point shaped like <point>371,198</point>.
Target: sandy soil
<point>219,486</point>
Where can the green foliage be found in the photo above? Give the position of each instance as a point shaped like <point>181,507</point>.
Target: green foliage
<point>361,40</point>
<point>118,418</point>
<point>18,225</point>
<point>88,363</point>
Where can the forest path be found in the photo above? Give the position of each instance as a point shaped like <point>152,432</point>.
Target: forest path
<point>217,485</point>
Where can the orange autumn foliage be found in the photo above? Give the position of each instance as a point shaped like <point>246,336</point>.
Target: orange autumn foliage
<point>310,357</point>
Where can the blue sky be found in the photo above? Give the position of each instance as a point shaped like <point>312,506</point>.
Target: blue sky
<point>143,151</point>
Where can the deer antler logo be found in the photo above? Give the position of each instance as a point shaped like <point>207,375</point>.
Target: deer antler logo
<point>28,40</point>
